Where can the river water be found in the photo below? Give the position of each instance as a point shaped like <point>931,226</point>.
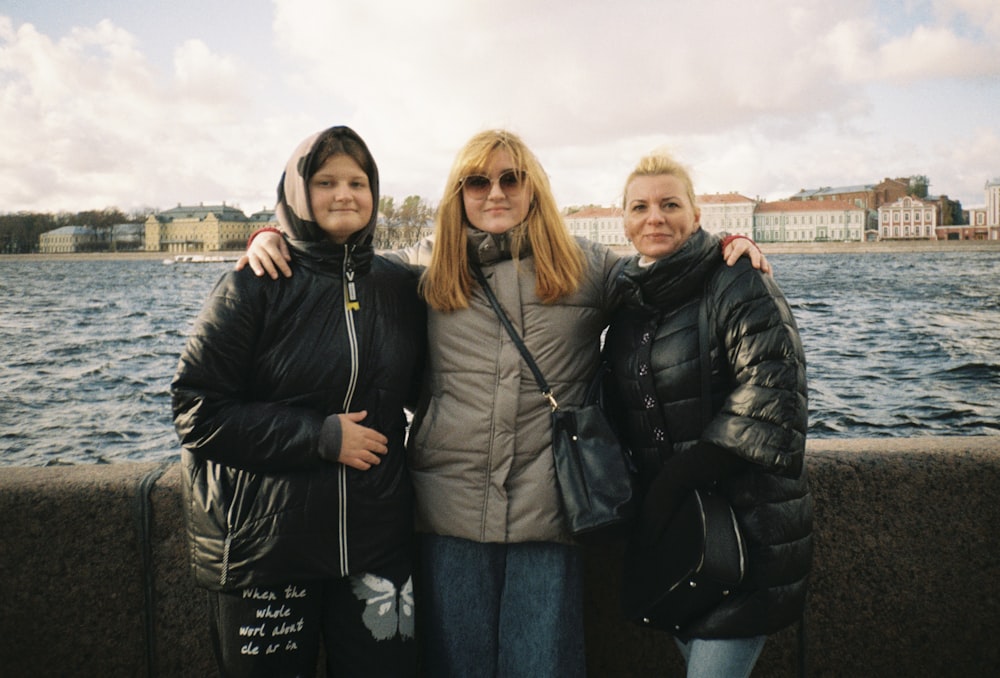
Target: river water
<point>897,344</point>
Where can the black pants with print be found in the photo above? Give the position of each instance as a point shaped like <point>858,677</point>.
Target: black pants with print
<point>364,622</point>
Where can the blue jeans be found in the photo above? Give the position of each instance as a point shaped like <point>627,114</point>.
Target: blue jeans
<point>500,610</point>
<point>728,658</point>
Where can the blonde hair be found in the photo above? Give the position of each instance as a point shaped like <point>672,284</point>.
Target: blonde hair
<point>659,164</point>
<point>446,285</point>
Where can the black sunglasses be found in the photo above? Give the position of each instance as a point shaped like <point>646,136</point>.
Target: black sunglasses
<point>479,185</point>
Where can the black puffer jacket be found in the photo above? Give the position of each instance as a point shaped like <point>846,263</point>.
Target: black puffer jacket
<point>267,364</point>
<point>758,383</point>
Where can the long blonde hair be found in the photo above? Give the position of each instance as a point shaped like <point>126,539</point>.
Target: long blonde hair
<point>447,283</point>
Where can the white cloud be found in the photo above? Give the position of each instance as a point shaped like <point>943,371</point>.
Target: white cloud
<point>202,75</point>
<point>935,53</point>
<point>763,98</point>
<point>96,127</point>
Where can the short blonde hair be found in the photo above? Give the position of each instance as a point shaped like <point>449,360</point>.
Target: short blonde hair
<point>559,264</point>
<point>660,164</point>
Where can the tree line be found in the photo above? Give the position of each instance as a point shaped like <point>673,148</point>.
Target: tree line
<point>413,212</point>
<point>20,231</point>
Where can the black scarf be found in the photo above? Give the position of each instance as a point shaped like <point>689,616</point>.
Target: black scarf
<point>674,279</point>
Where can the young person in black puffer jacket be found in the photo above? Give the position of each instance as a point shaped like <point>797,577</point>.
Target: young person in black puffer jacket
<point>289,402</point>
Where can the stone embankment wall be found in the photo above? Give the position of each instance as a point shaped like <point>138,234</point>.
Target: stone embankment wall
<point>94,578</point>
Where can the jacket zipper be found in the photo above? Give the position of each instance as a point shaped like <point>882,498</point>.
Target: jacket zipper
<point>351,304</point>
<point>237,491</point>
<point>224,577</point>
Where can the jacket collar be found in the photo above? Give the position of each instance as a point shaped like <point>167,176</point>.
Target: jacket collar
<point>670,281</point>
<point>489,248</point>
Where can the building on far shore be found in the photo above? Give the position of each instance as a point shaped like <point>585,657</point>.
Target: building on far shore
<point>398,236</point>
<point>809,221</point>
<point>729,213</point>
<point>909,218</point>
<point>75,238</point>
<point>992,190</point>
<point>66,239</point>
<point>202,228</point>
<point>980,223</point>
<point>868,196</point>
<point>600,224</point>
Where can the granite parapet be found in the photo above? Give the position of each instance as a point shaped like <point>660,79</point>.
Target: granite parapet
<point>94,577</point>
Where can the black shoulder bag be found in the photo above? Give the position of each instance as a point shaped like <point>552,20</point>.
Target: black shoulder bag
<point>593,469</point>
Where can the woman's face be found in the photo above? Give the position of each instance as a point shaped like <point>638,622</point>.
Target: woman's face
<point>501,205</point>
<point>340,197</point>
<point>659,216</point>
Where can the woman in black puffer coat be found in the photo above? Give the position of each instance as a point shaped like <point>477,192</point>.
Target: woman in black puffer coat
<point>288,401</point>
<point>752,447</point>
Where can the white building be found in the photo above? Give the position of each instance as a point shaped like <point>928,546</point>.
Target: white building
<point>909,218</point>
<point>992,190</point>
<point>600,224</point>
<point>730,213</point>
<point>809,221</point>
<point>67,239</point>
<point>977,216</point>
<point>982,223</point>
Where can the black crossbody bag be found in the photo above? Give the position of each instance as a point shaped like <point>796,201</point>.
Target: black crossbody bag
<point>594,470</point>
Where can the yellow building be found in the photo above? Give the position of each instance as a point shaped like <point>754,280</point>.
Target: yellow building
<point>202,228</point>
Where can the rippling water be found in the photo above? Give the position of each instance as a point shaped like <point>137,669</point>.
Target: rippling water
<point>897,345</point>
<point>88,349</point>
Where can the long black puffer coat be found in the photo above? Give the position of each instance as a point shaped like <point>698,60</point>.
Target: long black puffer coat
<point>758,384</point>
<point>266,367</point>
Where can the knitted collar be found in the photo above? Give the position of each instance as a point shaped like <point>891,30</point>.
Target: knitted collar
<point>489,248</point>
<point>673,279</point>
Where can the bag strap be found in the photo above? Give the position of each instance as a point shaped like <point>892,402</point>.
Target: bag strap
<point>543,385</point>
<point>706,358</point>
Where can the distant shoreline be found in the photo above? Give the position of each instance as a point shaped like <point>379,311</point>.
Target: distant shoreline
<point>892,246</point>
<point>881,247</point>
<point>767,248</point>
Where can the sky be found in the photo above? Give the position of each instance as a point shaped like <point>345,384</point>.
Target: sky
<point>137,104</point>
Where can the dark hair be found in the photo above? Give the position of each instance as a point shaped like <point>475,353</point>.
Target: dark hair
<point>340,141</point>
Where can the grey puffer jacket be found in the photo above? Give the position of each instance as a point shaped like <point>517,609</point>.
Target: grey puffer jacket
<point>758,397</point>
<point>480,449</point>
<point>268,366</point>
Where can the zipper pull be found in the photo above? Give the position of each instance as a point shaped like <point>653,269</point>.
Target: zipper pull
<point>352,297</point>
<point>351,291</point>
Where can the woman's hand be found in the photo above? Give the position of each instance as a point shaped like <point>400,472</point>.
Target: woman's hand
<point>740,246</point>
<point>360,446</point>
<point>267,253</point>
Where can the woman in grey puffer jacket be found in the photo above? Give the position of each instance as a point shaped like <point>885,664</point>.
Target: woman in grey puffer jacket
<point>751,448</point>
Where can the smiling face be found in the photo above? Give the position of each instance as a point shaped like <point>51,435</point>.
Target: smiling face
<point>659,216</point>
<point>340,197</point>
<point>504,206</point>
